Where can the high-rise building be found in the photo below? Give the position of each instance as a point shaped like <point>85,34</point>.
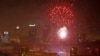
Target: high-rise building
<point>5,37</point>
<point>73,51</point>
<point>32,35</point>
<point>32,31</point>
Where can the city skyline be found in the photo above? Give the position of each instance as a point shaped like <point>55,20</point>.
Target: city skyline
<point>21,13</point>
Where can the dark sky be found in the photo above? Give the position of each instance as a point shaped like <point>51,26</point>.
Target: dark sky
<point>22,12</point>
<point>87,12</point>
<point>18,12</point>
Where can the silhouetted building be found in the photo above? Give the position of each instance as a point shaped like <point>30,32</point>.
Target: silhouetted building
<point>5,37</point>
<point>73,51</point>
<point>32,30</point>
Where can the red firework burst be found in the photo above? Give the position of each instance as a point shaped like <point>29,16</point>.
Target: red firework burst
<point>61,15</point>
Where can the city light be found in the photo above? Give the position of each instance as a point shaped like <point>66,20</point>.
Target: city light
<point>62,32</point>
<point>32,25</point>
<point>17,27</point>
<point>62,53</point>
<point>6,32</point>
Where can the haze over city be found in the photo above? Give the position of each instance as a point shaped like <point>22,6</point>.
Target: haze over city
<point>50,25</point>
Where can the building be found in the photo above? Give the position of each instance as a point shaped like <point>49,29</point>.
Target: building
<point>5,37</point>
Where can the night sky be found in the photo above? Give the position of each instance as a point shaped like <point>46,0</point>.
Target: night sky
<point>22,13</point>
<point>88,18</point>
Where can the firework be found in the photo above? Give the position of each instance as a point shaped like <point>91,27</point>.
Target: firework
<point>61,15</point>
